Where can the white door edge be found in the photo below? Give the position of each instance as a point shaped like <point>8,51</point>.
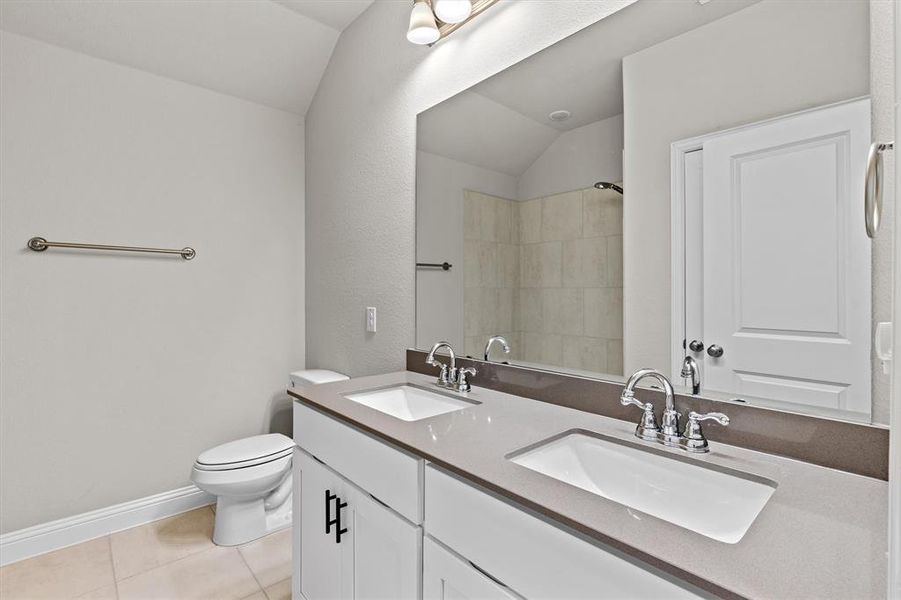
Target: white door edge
<point>894,527</point>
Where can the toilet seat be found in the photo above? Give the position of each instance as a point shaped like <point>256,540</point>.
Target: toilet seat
<point>244,453</point>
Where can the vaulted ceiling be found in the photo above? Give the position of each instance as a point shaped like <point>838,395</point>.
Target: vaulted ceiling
<point>269,52</point>
<point>502,123</point>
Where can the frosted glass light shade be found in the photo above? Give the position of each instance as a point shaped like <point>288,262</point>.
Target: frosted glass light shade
<point>452,11</point>
<point>423,29</point>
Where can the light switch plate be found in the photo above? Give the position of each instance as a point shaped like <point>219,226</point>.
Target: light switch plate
<point>370,319</point>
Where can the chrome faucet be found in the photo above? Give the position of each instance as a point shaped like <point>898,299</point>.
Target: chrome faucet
<point>450,376</point>
<point>690,369</point>
<point>500,340</point>
<point>669,431</point>
<point>692,439</point>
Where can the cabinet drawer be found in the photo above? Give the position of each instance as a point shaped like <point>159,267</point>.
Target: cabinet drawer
<point>388,473</point>
<point>530,555</point>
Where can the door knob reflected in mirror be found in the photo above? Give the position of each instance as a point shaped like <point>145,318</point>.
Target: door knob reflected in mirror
<point>715,351</point>
<point>696,346</point>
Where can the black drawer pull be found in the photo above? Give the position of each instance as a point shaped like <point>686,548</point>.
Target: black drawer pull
<point>329,521</point>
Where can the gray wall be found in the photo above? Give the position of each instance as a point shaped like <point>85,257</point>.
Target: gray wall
<point>117,370</point>
<point>440,184</point>
<point>576,160</point>
<point>361,149</point>
<point>769,59</point>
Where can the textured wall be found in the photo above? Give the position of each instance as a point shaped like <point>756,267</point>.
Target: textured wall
<point>361,149</point>
<point>117,370</point>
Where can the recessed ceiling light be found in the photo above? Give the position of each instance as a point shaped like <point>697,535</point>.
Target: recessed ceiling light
<point>559,115</point>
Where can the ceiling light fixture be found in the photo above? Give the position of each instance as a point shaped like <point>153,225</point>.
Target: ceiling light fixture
<point>423,29</point>
<point>559,115</point>
<point>433,20</point>
<point>452,11</point>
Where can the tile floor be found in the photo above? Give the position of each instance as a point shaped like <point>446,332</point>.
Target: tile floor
<point>171,559</point>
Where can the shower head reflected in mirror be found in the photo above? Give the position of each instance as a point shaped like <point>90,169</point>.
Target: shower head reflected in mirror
<point>606,185</point>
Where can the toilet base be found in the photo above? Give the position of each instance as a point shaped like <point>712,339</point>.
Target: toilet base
<point>242,520</point>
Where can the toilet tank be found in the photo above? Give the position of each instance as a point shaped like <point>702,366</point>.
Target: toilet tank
<point>314,376</point>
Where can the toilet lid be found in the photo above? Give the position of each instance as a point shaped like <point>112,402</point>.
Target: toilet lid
<point>246,452</point>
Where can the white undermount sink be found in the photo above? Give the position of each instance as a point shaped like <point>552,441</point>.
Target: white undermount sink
<point>716,502</point>
<point>409,403</point>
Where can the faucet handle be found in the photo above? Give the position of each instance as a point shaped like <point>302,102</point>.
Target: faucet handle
<point>647,428</point>
<point>462,384</point>
<point>694,417</point>
<point>693,439</point>
<point>443,375</point>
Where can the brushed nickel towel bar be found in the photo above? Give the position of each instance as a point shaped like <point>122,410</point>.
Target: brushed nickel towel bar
<point>39,244</point>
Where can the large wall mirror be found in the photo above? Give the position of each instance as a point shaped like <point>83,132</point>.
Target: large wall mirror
<point>677,186</point>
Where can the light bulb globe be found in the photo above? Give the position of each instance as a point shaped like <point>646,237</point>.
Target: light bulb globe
<point>423,29</point>
<point>452,11</point>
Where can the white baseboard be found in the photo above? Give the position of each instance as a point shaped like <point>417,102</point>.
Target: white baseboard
<point>25,543</point>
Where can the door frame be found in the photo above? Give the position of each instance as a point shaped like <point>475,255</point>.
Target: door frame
<point>894,508</point>
<point>894,478</point>
<point>678,150</point>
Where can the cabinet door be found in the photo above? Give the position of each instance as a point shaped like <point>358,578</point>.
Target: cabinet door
<point>379,554</point>
<point>326,566</point>
<point>446,577</point>
<point>387,551</point>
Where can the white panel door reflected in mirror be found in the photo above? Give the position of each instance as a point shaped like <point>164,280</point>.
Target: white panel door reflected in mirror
<point>728,143</point>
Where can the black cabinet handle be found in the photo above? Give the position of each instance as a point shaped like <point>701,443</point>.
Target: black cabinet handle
<point>329,521</point>
<point>329,496</point>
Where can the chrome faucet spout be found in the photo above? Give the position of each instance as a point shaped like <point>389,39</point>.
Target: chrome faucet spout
<point>690,370</point>
<point>431,357</point>
<point>496,339</point>
<point>669,430</point>
<point>654,374</point>
<point>448,373</point>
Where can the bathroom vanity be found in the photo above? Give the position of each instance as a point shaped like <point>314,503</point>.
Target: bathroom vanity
<point>501,496</point>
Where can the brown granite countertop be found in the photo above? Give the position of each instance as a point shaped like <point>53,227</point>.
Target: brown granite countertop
<point>823,534</point>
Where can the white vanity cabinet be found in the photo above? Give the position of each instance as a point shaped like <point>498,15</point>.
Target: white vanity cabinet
<point>447,576</point>
<point>529,554</point>
<point>410,531</point>
<point>350,545</point>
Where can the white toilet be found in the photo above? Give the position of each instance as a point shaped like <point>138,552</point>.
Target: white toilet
<point>251,478</point>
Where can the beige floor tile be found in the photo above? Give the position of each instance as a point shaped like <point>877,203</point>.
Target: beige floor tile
<point>218,573</point>
<point>105,593</point>
<point>279,591</point>
<point>270,557</point>
<point>149,546</point>
<point>256,596</point>
<point>65,573</point>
